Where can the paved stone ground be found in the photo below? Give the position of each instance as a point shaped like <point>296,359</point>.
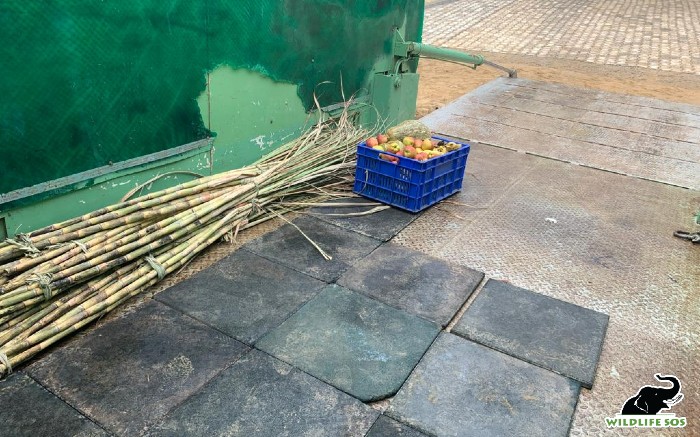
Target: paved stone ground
<point>663,35</point>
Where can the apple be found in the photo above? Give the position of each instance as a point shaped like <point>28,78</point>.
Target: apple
<point>371,142</point>
<point>400,153</point>
<point>409,152</point>
<point>408,141</point>
<point>427,145</point>
<point>380,148</point>
<point>422,156</point>
<point>394,147</point>
<point>417,142</point>
<point>382,138</point>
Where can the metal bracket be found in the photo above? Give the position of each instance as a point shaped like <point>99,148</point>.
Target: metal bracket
<point>407,50</point>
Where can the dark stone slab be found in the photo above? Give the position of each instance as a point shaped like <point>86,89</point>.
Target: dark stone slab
<point>242,295</point>
<point>288,246</point>
<point>131,371</point>
<point>359,345</point>
<point>556,335</point>
<point>461,388</point>
<point>412,281</point>
<point>382,225</point>
<point>28,409</point>
<point>387,427</point>
<point>262,396</point>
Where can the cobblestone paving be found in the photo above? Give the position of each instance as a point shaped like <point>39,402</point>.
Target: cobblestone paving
<point>661,35</point>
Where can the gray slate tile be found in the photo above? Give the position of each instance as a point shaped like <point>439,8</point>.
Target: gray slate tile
<point>556,335</point>
<point>388,427</point>
<point>242,295</point>
<point>29,410</point>
<point>412,281</point>
<point>382,225</point>
<point>262,396</point>
<point>359,345</point>
<point>131,371</point>
<point>288,247</point>
<point>461,388</point>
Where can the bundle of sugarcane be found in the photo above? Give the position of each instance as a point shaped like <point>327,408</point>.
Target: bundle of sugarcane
<point>58,279</point>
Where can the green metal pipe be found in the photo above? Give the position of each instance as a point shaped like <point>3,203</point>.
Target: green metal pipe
<point>443,54</point>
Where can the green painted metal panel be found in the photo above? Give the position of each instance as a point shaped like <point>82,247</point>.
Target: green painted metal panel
<point>88,84</point>
<point>393,97</point>
<point>272,111</point>
<point>105,190</point>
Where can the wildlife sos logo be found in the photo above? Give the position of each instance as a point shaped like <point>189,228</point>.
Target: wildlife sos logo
<point>648,408</point>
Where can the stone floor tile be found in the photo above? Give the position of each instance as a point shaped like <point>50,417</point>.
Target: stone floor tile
<point>412,281</point>
<point>30,410</point>
<point>382,225</point>
<point>551,333</point>
<point>289,247</point>
<point>131,371</point>
<point>262,396</point>
<point>461,388</point>
<point>359,345</point>
<point>388,427</point>
<point>242,295</point>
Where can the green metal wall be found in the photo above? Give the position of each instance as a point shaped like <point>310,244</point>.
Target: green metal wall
<point>86,84</point>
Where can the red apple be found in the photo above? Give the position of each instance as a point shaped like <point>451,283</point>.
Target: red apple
<point>393,147</point>
<point>382,138</point>
<point>371,142</point>
<point>409,152</point>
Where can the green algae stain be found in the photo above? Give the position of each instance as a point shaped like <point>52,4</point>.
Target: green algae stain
<point>86,82</point>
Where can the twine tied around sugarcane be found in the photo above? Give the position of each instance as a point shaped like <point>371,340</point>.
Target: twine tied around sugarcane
<point>6,362</point>
<point>24,243</point>
<point>44,281</point>
<point>255,207</point>
<point>158,267</point>
<point>83,247</point>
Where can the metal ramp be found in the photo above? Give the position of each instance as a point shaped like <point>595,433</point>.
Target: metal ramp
<point>636,136</point>
<point>575,194</point>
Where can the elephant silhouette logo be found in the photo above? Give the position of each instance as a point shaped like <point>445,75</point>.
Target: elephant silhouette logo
<point>651,399</point>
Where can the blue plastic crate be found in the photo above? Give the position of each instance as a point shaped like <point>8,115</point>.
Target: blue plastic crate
<point>411,185</point>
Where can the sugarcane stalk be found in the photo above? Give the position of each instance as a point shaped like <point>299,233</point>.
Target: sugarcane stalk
<point>60,306</point>
<point>172,225</point>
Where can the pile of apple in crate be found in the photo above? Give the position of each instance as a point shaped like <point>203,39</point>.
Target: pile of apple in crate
<point>409,167</point>
<point>411,139</point>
